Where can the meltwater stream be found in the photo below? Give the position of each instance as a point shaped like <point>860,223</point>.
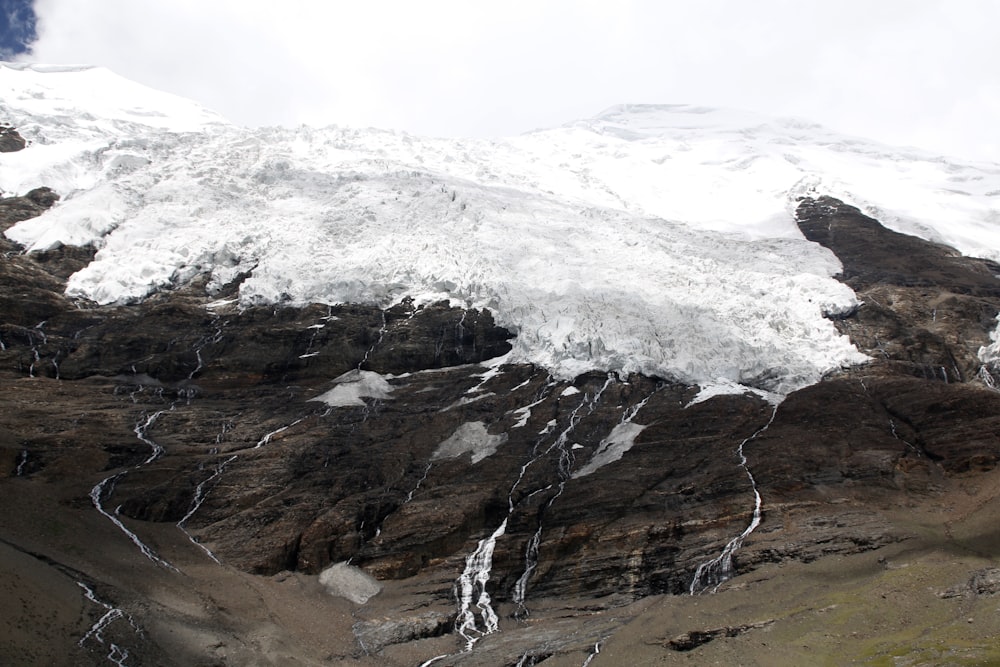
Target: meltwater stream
<point>711,574</point>
<point>565,472</point>
<point>200,493</point>
<point>116,654</point>
<point>106,487</point>
<point>470,588</point>
<point>203,488</point>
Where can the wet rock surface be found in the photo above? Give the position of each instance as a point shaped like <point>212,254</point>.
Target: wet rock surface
<point>201,427</point>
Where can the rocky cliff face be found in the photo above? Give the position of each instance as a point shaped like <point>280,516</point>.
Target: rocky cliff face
<point>179,470</point>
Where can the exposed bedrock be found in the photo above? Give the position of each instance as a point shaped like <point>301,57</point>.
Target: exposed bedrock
<point>604,486</point>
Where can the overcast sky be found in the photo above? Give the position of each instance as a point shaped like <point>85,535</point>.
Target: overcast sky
<point>914,72</point>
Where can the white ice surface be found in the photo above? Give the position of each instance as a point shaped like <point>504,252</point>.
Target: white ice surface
<point>655,239</point>
<point>472,438</point>
<point>990,354</point>
<point>612,448</point>
<point>353,386</point>
<point>346,581</point>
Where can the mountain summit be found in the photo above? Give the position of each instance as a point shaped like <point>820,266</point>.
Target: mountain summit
<point>487,402</point>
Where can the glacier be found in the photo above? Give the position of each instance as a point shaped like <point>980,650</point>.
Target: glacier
<point>656,239</point>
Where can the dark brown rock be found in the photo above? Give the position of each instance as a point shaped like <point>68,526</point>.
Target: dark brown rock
<point>10,140</point>
<point>926,309</point>
<point>32,204</point>
<point>873,254</point>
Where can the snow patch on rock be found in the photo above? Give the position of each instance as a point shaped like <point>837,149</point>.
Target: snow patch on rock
<point>612,448</point>
<point>470,437</point>
<point>346,581</point>
<point>353,386</point>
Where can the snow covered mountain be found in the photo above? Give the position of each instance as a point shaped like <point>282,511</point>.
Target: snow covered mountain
<point>604,393</point>
<point>654,239</point>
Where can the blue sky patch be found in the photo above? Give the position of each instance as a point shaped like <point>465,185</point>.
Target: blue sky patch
<point>17,27</point>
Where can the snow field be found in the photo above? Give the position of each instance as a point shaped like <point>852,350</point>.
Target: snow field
<point>654,239</point>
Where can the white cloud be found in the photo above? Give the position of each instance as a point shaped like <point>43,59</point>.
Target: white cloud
<point>902,72</point>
